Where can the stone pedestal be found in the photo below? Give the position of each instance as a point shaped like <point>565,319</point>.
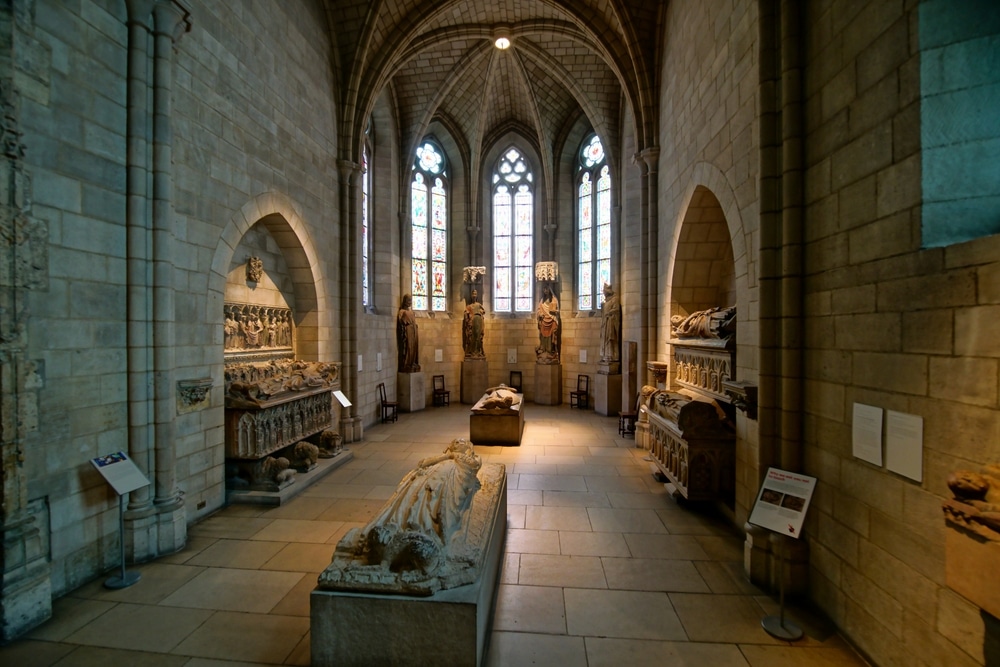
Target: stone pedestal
<point>411,392</point>
<point>352,429</point>
<point>607,392</point>
<point>475,380</point>
<point>450,627</point>
<point>548,384</point>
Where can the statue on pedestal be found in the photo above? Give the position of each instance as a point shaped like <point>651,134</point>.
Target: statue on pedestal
<point>473,328</point>
<point>407,340</point>
<point>549,328</point>
<point>611,323</point>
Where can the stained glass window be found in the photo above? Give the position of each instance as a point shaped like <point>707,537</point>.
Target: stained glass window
<point>513,234</point>
<point>366,180</point>
<point>593,246</point>
<point>429,229</point>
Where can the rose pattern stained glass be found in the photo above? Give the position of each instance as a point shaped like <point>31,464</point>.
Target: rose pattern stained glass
<point>429,237</point>
<point>513,234</point>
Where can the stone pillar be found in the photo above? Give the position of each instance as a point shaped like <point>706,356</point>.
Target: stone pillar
<point>171,518</point>
<point>651,280</point>
<point>139,303</point>
<point>25,582</point>
<point>351,425</point>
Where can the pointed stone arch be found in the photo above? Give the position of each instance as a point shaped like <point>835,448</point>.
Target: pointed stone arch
<point>282,218</point>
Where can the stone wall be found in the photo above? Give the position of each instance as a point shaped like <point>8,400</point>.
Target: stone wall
<point>891,325</point>
<point>251,116</point>
<point>709,139</point>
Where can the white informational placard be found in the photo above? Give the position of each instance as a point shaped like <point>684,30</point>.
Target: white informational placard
<point>782,502</point>
<point>904,444</point>
<point>343,400</point>
<point>867,433</point>
<point>120,472</point>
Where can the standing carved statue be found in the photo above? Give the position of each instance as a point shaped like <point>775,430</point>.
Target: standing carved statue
<point>611,323</point>
<point>549,326</point>
<point>474,328</point>
<point>407,341</point>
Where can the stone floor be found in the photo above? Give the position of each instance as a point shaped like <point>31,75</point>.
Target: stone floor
<point>602,567</point>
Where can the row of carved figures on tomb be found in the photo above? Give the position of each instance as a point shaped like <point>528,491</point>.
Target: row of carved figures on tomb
<point>272,428</point>
<point>256,382</point>
<point>250,327</point>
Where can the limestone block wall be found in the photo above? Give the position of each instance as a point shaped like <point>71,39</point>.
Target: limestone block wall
<point>709,137</point>
<point>890,325</point>
<point>249,125</point>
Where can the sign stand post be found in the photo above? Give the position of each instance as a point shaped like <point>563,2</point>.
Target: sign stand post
<point>781,508</point>
<point>124,477</point>
<point>125,579</point>
<point>777,626</point>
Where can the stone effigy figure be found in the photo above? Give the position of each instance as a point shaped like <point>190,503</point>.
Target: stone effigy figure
<point>611,324</point>
<point>473,328</point>
<point>714,322</point>
<point>549,325</point>
<point>407,340</point>
<point>432,534</point>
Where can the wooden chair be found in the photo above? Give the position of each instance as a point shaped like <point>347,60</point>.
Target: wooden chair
<point>626,419</point>
<point>580,397</point>
<point>441,395</point>
<point>390,409</point>
<point>515,381</point>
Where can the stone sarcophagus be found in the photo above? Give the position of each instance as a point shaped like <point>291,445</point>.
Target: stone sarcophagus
<point>497,418</point>
<point>972,536</point>
<point>689,429</point>
<point>271,408</point>
<point>692,443</point>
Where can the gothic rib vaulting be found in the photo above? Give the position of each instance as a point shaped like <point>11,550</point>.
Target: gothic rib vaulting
<point>762,234</point>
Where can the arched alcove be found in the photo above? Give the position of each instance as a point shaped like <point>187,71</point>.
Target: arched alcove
<point>704,274</point>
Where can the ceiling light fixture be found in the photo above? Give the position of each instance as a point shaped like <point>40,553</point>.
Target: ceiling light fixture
<point>501,38</point>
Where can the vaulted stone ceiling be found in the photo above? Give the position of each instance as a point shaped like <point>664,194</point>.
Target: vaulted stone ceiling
<point>437,57</point>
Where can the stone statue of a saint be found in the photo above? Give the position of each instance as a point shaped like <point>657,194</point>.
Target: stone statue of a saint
<point>611,326</point>
<point>549,325</point>
<point>407,340</point>
<point>473,328</point>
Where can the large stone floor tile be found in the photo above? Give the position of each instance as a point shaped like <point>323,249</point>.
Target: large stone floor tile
<point>650,545</point>
<point>574,571</point>
<point>296,530</point>
<point>352,509</point>
<point>157,581</point>
<point>520,648</point>
<point>532,541</point>
<point>721,618</point>
<point>624,614</point>
<point>96,656</point>
<point>530,609</point>
<point>254,591</point>
<point>557,518</point>
<point>592,544</point>
<point>245,554</point>
<point>140,627</point>
<point>33,653</point>
<point>574,499</point>
<point>232,527</point>
<point>69,614</point>
<point>301,558</point>
<point>794,656</point>
<point>552,483</point>
<point>605,652</point>
<point>653,574</point>
<point>625,521</point>
<point>265,638</point>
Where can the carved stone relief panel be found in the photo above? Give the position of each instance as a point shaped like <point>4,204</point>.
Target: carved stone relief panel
<point>255,328</point>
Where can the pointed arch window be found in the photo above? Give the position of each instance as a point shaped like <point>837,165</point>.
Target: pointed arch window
<point>593,224</point>
<point>429,229</point>
<point>513,233</point>
<point>366,184</point>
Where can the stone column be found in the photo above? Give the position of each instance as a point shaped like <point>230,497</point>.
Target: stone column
<point>138,241</point>
<point>351,425</point>
<point>650,262</point>
<point>25,582</point>
<point>172,527</point>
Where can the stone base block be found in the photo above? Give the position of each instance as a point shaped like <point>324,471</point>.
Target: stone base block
<point>451,627</point>
<point>475,380</point>
<point>608,394</point>
<point>411,392</point>
<point>302,482</point>
<point>548,384</point>
<point>498,429</point>
<point>970,564</point>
